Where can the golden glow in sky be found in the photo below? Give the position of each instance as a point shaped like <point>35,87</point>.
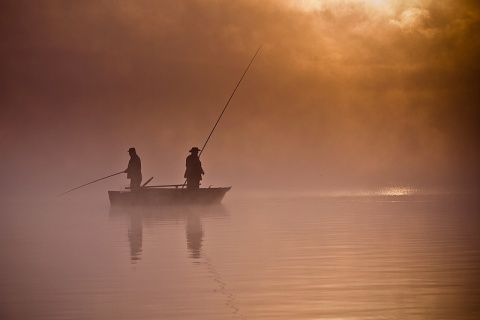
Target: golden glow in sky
<point>312,5</point>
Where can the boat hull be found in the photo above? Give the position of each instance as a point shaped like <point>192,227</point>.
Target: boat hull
<point>167,196</point>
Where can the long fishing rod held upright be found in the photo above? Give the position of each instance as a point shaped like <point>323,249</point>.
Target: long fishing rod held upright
<point>226,105</point>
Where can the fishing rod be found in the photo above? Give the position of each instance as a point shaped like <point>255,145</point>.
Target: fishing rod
<point>225,108</point>
<point>83,185</point>
<point>226,105</point>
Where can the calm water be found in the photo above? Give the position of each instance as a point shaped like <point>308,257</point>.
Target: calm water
<point>297,257</point>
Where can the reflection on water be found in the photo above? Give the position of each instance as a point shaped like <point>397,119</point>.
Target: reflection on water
<point>135,234</point>
<point>392,255</point>
<point>189,215</point>
<point>194,236</point>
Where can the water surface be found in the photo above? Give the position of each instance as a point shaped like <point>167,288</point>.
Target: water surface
<point>263,257</point>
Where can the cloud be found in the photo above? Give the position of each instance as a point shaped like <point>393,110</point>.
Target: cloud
<point>414,20</point>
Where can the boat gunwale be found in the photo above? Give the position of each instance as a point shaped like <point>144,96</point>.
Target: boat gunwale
<point>168,196</point>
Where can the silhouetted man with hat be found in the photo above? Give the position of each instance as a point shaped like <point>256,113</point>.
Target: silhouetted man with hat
<point>194,171</point>
<point>134,170</point>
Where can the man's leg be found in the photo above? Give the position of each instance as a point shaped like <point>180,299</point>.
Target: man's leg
<point>193,184</point>
<point>135,183</point>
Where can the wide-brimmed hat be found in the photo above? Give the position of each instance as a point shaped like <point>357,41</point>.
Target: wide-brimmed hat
<point>194,149</point>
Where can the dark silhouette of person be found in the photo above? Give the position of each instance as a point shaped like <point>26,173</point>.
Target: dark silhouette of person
<point>193,171</point>
<point>134,170</point>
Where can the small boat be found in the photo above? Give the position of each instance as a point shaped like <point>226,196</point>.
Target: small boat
<point>168,195</point>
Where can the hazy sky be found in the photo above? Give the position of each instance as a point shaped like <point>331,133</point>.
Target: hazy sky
<point>343,94</point>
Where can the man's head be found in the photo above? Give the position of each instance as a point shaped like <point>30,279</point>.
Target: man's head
<point>194,150</point>
<point>132,151</point>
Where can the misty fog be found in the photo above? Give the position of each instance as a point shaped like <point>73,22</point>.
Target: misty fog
<point>342,95</point>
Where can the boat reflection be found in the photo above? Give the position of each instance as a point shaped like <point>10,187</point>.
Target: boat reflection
<point>191,216</point>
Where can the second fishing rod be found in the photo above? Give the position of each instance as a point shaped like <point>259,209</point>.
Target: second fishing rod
<point>226,105</point>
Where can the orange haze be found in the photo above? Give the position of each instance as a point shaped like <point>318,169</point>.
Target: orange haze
<point>343,94</point>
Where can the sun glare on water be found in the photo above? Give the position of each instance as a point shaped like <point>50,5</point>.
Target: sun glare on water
<point>396,191</point>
